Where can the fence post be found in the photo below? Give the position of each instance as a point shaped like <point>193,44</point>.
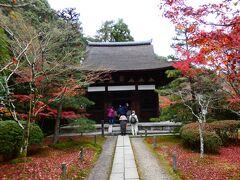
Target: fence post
<point>81,153</point>
<point>95,139</point>
<point>64,171</point>
<point>174,158</point>
<point>102,123</point>
<point>154,141</point>
<point>145,132</point>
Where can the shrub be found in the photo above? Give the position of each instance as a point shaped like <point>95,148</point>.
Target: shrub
<point>176,112</point>
<point>212,142</point>
<point>36,134</point>
<point>190,136</point>
<point>225,124</point>
<point>11,137</point>
<point>83,125</point>
<point>225,129</point>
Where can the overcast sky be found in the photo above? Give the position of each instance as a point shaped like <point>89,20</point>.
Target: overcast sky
<point>142,17</point>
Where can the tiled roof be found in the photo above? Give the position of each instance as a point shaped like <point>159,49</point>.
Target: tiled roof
<point>122,56</point>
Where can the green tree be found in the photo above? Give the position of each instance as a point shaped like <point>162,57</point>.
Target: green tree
<point>207,96</point>
<point>46,60</point>
<point>74,40</point>
<point>111,31</point>
<point>4,53</point>
<point>83,125</point>
<point>37,55</point>
<point>10,4</point>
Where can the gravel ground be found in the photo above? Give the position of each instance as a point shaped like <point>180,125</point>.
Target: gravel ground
<point>102,168</point>
<point>148,166</point>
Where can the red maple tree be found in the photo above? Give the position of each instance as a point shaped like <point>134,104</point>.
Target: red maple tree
<point>214,33</point>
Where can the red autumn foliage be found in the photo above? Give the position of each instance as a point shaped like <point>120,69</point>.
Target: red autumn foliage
<point>65,114</point>
<point>165,101</point>
<point>213,31</point>
<point>22,98</point>
<point>69,115</point>
<point>42,110</point>
<point>225,165</point>
<point>46,164</point>
<point>45,86</point>
<point>25,76</point>
<point>40,167</point>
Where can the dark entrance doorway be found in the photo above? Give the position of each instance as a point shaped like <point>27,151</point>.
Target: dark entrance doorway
<point>145,103</point>
<point>116,102</point>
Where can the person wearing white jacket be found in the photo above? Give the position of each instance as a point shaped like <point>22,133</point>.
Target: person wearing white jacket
<point>133,120</point>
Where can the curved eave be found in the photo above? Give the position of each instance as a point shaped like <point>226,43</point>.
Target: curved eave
<point>169,66</point>
<point>131,43</point>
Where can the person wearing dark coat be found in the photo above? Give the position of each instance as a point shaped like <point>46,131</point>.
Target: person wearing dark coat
<point>121,110</point>
<point>123,124</point>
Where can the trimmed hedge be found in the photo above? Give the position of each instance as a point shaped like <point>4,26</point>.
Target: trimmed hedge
<point>227,130</point>
<point>36,134</point>
<point>190,136</point>
<point>215,134</point>
<point>11,137</point>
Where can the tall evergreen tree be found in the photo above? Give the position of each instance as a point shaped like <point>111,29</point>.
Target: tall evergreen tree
<point>111,31</point>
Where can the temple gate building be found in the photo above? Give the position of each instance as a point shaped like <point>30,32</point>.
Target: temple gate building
<point>135,73</point>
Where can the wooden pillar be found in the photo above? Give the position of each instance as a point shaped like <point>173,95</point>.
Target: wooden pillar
<point>136,103</point>
<point>156,103</point>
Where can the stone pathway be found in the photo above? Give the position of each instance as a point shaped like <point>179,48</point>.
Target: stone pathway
<point>124,166</point>
<point>149,167</point>
<point>102,169</point>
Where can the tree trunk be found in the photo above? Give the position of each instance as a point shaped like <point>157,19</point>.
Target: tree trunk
<point>194,99</point>
<point>57,123</point>
<point>200,126</point>
<point>24,149</point>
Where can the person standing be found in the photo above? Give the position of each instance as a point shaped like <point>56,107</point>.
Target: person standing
<point>120,111</point>
<point>123,124</point>
<point>126,108</point>
<point>133,120</point>
<point>111,117</point>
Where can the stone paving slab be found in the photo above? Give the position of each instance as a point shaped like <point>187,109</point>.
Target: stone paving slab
<point>124,166</point>
<point>118,160</point>
<point>117,176</point>
<point>119,149</point>
<point>120,142</point>
<point>131,173</point>
<point>118,168</point>
<point>130,163</point>
<point>129,157</point>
